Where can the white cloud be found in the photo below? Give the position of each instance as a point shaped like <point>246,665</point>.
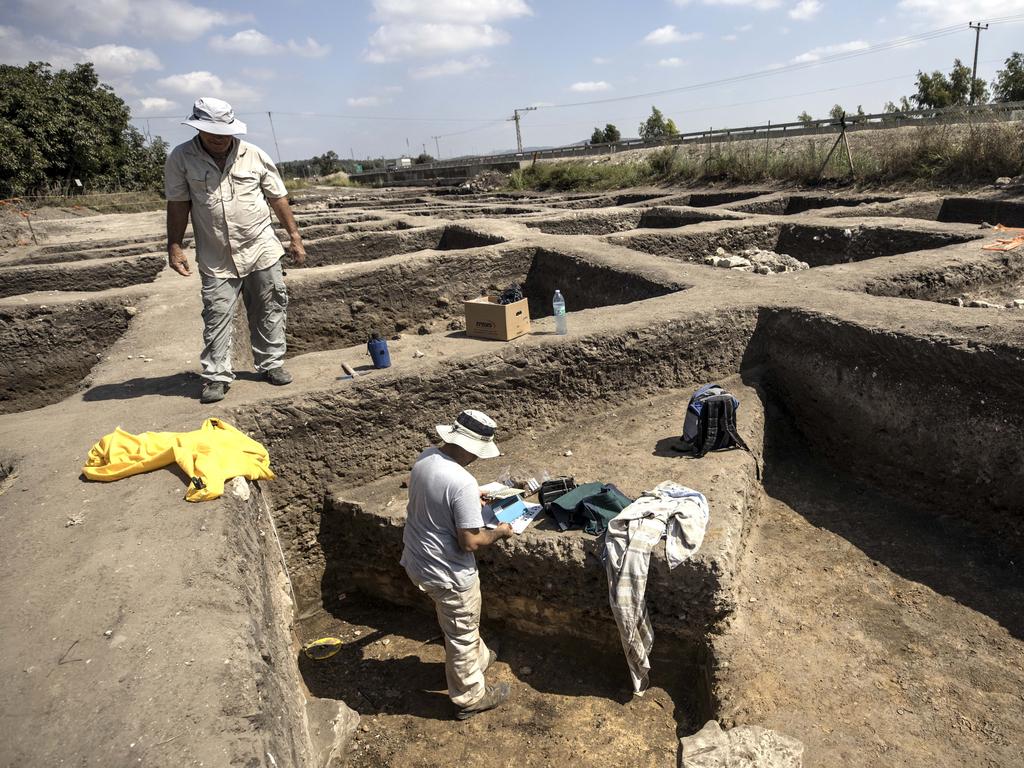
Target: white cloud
<point>599,60</point>
<point>252,42</point>
<point>805,10</point>
<point>112,62</point>
<point>121,59</point>
<point>829,50</point>
<point>760,5</point>
<point>745,28</point>
<point>309,49</point>
<point>450,67</point>
<point>672,61</point>
<point>154,105</point>
<point>398,41</point>
<point>461,11</point>
<point>367,101</point>
<point>174,19</point>
<point>590,86</point>
<point>953,11</point>
<point>669,34</point>
<point>729,38</point>
<point>202,83</point>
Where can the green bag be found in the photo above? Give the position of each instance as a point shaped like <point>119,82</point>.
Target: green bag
<point>591,505</point>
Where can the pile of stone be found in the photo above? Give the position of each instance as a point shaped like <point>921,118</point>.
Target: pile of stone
<point>757,260</point>
<point>487,181</point>
<point>960,301</point>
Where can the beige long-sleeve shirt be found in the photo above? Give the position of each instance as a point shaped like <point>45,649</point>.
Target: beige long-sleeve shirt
<point>230,214</point>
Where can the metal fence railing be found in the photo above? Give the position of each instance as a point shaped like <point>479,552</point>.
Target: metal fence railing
<point>950,115</point>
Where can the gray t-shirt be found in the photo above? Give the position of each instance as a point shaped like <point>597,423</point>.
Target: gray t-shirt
<point>443,497</point>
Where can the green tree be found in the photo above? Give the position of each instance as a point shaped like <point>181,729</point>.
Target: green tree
<point>805,118</point>
<point>670,129</point>
<point>597,137</point>
<point>1009,82</point>
<point>611,133</point>
<point>653,128</point>
<point>837,112</point>
<point>59,126</point>
<point>936,90</point>
<point>422,158</point>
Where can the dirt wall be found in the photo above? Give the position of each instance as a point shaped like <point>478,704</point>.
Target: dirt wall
<point>936,420</point>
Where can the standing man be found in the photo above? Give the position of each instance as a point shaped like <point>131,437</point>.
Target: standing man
<point>443,528</point>
<point>229,186</point>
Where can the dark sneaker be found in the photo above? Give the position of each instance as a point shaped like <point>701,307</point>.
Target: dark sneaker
<point>213,391</point>
<point>277,376</point>
<point>493,697</point>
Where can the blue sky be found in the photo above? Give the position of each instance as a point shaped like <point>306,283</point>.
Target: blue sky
<point>382,77</point>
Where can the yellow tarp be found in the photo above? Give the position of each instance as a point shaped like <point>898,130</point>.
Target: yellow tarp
<point>210,455</point>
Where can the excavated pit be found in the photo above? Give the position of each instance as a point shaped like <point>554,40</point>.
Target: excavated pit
<point>98,275</point>
<point>344,306</point>
<point>793,204</point>
<point>609,222</point>
<point>47,352</point>
<point>707,199</point>
<point>615,401</point>
<point>817,245</point>
<point>344,249</point>
<point>973,210</point>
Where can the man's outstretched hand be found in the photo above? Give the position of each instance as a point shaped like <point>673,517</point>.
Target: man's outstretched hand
<point>178,261</point>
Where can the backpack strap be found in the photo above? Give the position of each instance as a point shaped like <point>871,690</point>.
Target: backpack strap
<point>729,408</point>
<point>709,419</point>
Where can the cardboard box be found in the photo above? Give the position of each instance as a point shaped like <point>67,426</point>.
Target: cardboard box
<point>486,319</point>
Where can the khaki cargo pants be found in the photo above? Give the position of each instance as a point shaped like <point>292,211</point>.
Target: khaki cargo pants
<point>466,655</point>
<point>266,304</point>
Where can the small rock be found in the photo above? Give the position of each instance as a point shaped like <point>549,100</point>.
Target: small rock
<point>981,304</point>
<point>365,728</point>
<point>721,251</point>
<point>386,641</point>
<point>956,301</point>
<point>1003,181</point>
<point>753,600</point>
<point>129,357</point>
<point>357,306</point>
<point>443,301</point>
<point>1016,304</point>
<point>567,453</point>
<point>847,233</point>
<point>131,311</point>
<point>417,353</point>
<point>732,262</point>
<point>238,487</point>
<point>109,633</point>
<point>423,330</point>
<point>526,671</point>
<point>985,225</point>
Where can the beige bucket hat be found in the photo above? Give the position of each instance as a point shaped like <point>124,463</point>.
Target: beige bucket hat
<point>214,116</point>
<point>472,430</point>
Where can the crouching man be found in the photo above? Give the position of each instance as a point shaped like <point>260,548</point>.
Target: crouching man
<point>443,528</point>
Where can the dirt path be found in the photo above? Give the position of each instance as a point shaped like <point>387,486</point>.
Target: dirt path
<point>874,633</point>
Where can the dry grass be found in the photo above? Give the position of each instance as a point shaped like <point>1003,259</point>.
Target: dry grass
<point>933,155</point>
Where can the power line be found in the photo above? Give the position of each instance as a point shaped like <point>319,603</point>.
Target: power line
<point>887,45</point>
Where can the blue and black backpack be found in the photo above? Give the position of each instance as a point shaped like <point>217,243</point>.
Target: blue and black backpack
<point>710,422</point>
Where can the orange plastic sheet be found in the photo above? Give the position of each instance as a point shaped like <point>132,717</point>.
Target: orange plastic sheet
<point>1016,240</point>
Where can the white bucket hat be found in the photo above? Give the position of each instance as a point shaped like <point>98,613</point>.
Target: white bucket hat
<point>214,116</point>
<point>473,431</point>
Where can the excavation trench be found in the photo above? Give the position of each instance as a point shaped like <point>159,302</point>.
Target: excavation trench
<point>47,352</point>
<point>343,307</point>
<point>607,222</point>
<point>98,275</point>
<point>348,248</point>
<point>793,204</point>
<point>817,245</point>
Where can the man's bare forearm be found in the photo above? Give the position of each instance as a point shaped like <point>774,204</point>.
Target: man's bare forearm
<point>177,222</point>
<point>283,211</point>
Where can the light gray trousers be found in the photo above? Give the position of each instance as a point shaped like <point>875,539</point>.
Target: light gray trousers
<point>266,304</point>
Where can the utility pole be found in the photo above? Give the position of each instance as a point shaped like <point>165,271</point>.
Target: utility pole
<point>519,135</point>
<point>977,39</point>
<point>437,146</point>
<point>274,134</point>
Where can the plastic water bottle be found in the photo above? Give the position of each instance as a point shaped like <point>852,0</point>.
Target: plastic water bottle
<point>561,322</point>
